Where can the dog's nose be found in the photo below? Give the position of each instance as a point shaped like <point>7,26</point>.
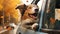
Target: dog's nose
<point>36,10</point>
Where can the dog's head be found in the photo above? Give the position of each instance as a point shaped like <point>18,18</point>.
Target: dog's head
<point>31,9</point>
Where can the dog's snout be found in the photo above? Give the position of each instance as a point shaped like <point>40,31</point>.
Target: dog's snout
<point>36,10</point>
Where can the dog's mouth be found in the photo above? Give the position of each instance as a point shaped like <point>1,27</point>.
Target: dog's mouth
<point>34,16</point>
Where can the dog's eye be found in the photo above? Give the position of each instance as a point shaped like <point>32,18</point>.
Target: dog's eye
<point>30,7</point>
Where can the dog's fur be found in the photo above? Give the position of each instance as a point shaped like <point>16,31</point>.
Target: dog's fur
<point>29,21</point>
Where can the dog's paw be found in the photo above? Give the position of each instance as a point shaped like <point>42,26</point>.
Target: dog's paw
<point>34,26</point>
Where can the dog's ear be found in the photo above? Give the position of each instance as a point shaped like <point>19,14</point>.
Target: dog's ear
<point>18,7</point>
<point>22,8</point>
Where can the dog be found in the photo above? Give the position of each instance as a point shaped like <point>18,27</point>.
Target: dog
<point>29,16</point>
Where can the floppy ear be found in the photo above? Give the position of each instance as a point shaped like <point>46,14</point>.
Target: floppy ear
<point>22,8</point>
<point>18,7</point>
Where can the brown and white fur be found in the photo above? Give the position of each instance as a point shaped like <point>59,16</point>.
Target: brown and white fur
<point>29,17</point>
